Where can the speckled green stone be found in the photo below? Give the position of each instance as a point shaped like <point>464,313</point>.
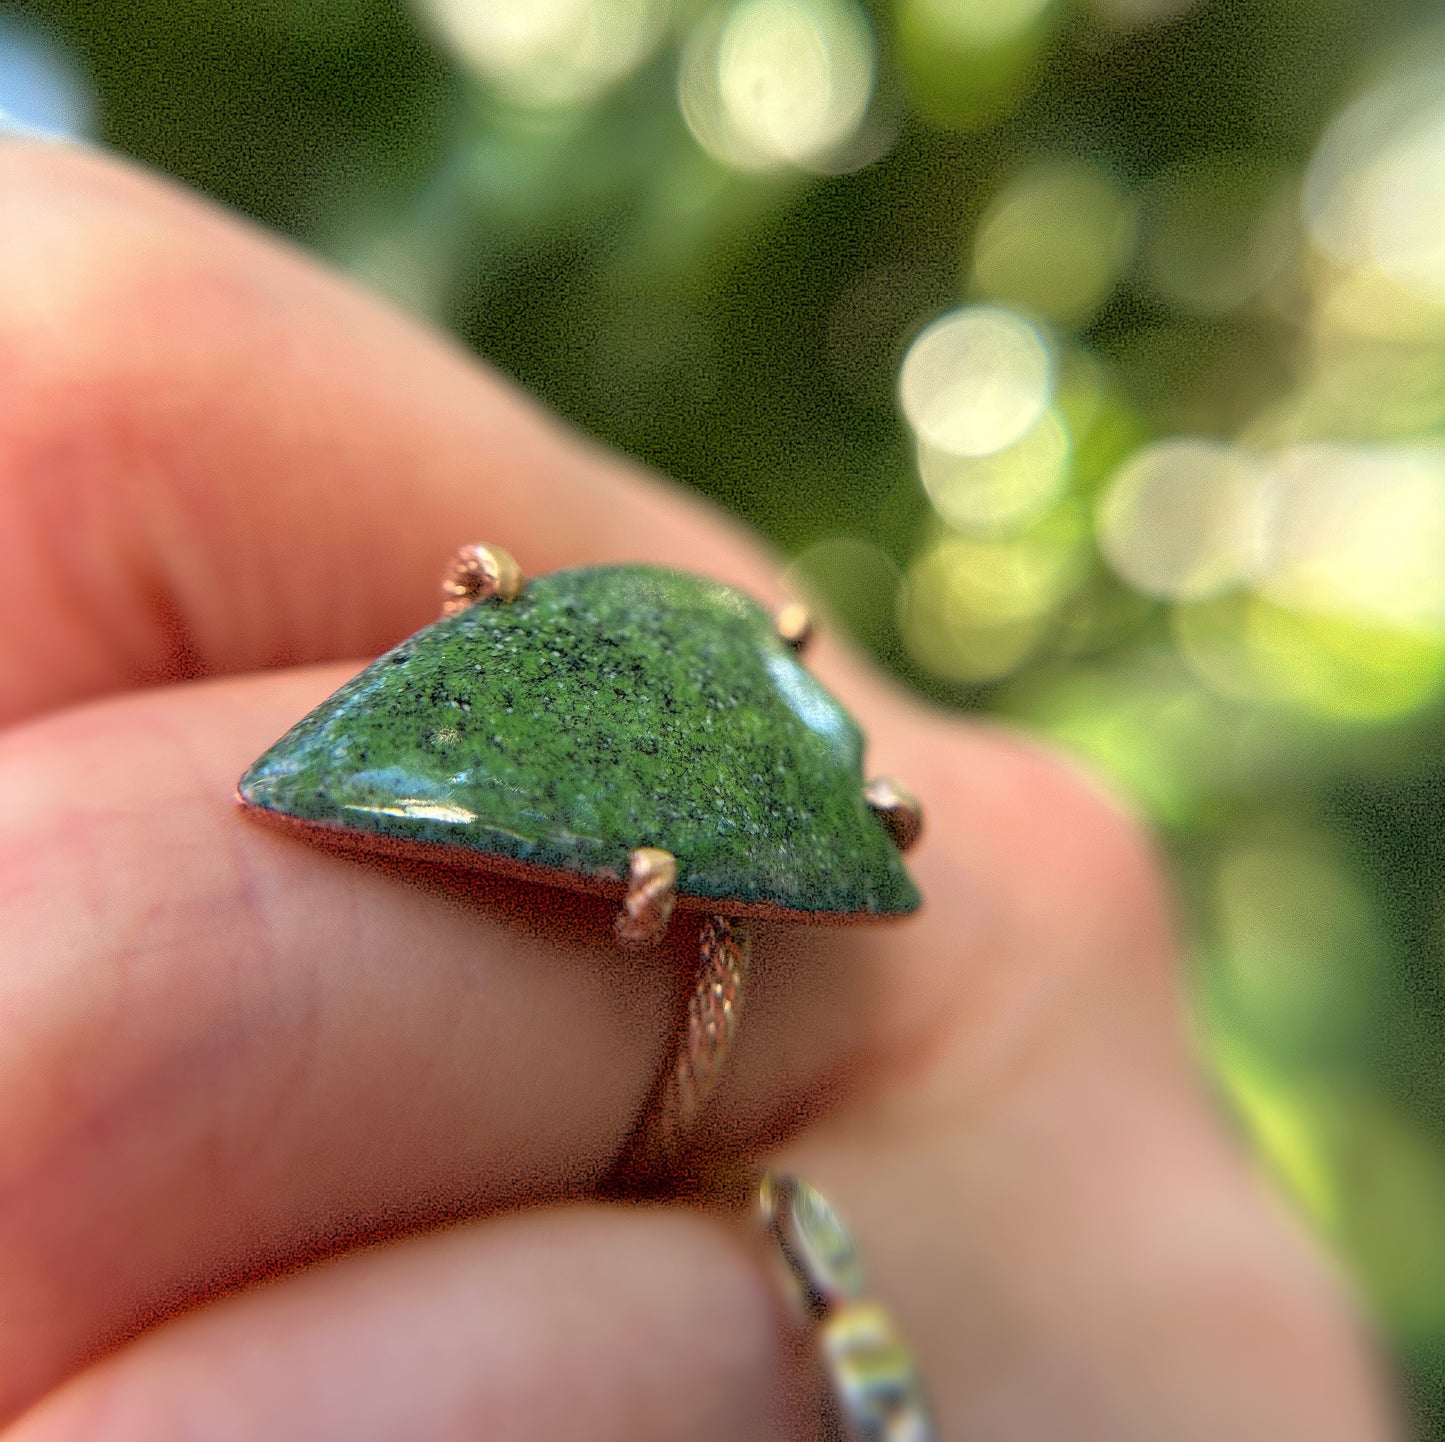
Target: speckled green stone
<point>608,708</point>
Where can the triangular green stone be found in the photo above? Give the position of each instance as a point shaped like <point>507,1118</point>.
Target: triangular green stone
<point>606,709</point>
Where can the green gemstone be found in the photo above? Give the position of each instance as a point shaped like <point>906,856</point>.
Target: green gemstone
<point>606,709</point>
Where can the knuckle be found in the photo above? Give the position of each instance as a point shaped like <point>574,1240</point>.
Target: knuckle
<point>110,285</point>
<point>1080,876</point>
<point>1106,850</point>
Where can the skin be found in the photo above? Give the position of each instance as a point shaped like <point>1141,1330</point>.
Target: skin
<point>293,1146</point>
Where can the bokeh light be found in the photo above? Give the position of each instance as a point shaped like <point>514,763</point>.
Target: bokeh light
<point>1213,637</point>
<point>1360,531</point>
<point>1055,241</point>
<point>1374,195</point>
<point>975,381</point>
<point>996,492</point>
<point>1342,667</point>
<point>973,610</point>
<point>976,24</point>
<point>773,83</point>
<point>964,62</point>
<point>1185,518</point>
<point>547,53</point>
<point>1335,667</point>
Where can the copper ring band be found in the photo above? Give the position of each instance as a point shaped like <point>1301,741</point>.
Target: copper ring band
<point>700,1057</point>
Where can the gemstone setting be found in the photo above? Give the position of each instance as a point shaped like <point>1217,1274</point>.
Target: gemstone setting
<point>605,709</point>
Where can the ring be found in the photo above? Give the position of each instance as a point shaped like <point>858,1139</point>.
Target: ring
<point>875,1393</point>
<point>638,732</point>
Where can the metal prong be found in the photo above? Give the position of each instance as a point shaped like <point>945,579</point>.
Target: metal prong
<point>480,573</point>
<point>897,808</point>
<point>642,922</point>
<point>794,625</point>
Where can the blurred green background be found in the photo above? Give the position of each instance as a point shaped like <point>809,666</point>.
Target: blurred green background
<point>1087,356</point>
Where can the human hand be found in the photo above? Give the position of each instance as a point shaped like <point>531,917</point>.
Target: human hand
<point>224,1054</point>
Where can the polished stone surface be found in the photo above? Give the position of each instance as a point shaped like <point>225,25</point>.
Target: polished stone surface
<point>608,708</point>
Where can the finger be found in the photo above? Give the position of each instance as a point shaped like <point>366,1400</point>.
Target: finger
<point>225,1051</point>
<point>214,457</point>
<point>1076,1250</point>
<point>199,1116</point>
<point>600,1326</point>
<point>1100,1272</point>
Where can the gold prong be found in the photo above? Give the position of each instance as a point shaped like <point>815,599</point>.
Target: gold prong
<point>480,573</point>
<point>652,877</point>
<point>897,808</point>
<point>794,625</point>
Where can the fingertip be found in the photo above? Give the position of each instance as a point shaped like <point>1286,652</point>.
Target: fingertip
<point>597,1324</point>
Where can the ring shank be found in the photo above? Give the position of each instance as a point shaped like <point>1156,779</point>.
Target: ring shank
<point>700,1059</point>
